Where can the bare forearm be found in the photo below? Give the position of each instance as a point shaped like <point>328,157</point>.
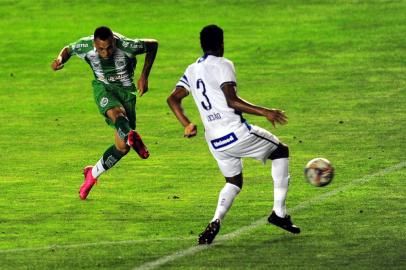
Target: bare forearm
<point>273,115</point>
<point>246,107</point>
<point>152,48</point>
<point>64,55</point>
<point>239,104</point>
<point>177,109</point>
<point>62,58</point>
<point>175,102</point>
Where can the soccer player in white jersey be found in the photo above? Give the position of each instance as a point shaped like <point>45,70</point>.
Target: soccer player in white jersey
<point>112,57</point>
<point>212,82</point>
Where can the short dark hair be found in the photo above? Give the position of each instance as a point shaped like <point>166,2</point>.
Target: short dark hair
<point>103,33</point>
<point>211,38</point>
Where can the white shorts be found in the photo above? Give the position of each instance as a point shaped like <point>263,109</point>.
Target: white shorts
<point>258,143</point>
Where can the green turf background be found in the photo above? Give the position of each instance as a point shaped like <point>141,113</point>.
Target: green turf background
<point>336,67</point>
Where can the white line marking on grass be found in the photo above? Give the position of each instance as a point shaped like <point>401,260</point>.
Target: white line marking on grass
<point>262,221</point>
<point>103,243</point>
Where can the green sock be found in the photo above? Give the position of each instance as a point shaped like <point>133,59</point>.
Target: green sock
<point>111,157</point>
<point>123,127</point>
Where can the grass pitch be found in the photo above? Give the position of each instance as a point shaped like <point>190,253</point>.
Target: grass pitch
<point>336,67</point>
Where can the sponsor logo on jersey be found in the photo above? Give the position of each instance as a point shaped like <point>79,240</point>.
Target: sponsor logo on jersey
<point>81,45</point>
<point>224,141</point>
<point>135,46</point>
<point>131,45</point>
<point>104,101</point>
<point>101,78</point>
<point>117,77</point>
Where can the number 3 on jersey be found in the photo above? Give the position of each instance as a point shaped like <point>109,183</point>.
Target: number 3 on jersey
<point>200,86</point>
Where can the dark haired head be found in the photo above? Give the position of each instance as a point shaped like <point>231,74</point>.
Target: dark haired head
<point>211,39</point>
<point>103,33</point>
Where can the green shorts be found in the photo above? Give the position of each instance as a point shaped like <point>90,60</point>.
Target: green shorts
<point>108,96</point>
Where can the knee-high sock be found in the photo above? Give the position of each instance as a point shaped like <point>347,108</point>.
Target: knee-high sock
<point>226,198</point>
<point>108,160</point>
<point>280,175</point>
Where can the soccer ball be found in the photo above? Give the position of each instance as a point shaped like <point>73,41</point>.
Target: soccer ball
<point>319,172</point>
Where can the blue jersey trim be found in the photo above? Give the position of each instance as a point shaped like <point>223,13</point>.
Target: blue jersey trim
<point>242,119</point>
<point>184,82</point>
<point>247,125</point>
<point>201,59</point>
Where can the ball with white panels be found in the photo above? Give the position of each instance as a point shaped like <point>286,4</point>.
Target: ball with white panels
<point>319,172</point>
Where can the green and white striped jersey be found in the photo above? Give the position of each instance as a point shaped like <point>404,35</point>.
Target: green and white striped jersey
<point>118,69</point>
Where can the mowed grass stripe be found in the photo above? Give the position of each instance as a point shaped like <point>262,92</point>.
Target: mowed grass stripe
<point>194,249</point>
<point>103,243</point>
<point>228,236</point>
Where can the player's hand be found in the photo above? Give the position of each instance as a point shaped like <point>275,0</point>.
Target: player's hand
<point>142,85</point>
<point>190,130</point>
<point>57,64</point>
<point>276,116</point>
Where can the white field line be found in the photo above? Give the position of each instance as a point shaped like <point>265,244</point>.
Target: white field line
<point>262,221</point>
<point>103,243</point>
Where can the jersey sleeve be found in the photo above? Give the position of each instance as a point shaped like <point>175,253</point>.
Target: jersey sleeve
<point>184,81</point>
<point>81,47</point>
<point>131,47</point>
<point>227,74</point>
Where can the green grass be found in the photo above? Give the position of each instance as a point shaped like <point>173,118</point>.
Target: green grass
<point>336,67</point>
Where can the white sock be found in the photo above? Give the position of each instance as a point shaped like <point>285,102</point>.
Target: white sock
<point>226,198</point>
<point>280,175</point>
<point>98,169</point>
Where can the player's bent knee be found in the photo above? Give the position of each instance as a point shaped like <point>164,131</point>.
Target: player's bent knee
<point>123,149</point>
<point>235,180</point>
<point>115,112</point>
<point>282,151</point>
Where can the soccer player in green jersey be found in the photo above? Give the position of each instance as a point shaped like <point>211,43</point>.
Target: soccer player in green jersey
<point>112,58</point>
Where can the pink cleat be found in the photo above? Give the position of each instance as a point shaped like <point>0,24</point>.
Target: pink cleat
<point>134,140</point>
<point>88,183</point>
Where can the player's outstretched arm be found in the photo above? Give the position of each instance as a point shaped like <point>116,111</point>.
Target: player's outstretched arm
<point>175,103</point>
<point>273,115</point>
<point>152,48</point>
<point>62,58</point>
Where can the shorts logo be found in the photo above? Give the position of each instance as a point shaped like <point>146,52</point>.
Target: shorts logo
<point>104,101</point>
<point>223,141</point>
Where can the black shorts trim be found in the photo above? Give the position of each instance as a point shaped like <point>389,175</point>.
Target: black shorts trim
<point>230,82</point>
<point>259,136</point>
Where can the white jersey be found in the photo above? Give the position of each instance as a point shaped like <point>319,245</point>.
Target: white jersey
<point>224,126</point>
